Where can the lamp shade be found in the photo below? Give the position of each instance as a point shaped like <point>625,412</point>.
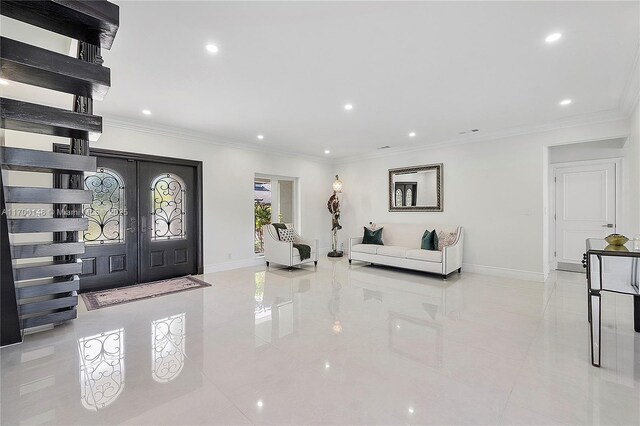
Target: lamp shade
<point>337,185</point>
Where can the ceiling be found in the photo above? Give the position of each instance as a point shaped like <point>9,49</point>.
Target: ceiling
<point>286,69</point>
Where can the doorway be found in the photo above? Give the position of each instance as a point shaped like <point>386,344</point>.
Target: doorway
<point>274,200</point>
<point>145,219</point>
<point>585,197</point>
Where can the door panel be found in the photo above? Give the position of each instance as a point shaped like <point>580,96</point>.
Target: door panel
<point>110,258</point>
<point>167,201</point>
<point>585,208</point>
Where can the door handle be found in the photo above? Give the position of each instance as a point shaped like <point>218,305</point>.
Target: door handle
<point>608,225</point>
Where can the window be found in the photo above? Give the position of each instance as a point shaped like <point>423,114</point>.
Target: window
<point>168,198</point>
<point>107,210</point>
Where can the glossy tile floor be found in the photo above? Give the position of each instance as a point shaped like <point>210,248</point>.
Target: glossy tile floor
<point>340,345</point>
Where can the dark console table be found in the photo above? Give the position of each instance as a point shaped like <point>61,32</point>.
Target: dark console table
<point>615,269</point>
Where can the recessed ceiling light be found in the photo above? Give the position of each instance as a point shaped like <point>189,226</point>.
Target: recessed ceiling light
<point>412,134</point>
<point>410,410</point>
<point>259,403</point>
<point>4,82</point>
<point>146,112</point>
<point>348,107</point>
<point>260,137</point>
<point>552,38</point>
<point>212,48</point>
<point>565,102</point>
<point>326,151</point>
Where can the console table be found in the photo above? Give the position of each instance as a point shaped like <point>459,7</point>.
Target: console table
<point>615,269</point>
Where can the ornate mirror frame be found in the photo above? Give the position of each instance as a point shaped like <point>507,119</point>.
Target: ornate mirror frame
<point>439,188</point>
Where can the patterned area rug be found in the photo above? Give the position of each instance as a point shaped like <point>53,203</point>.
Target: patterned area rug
<point>117,296</point>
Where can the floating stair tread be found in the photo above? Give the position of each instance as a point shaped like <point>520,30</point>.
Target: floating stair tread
<point>53,318</point>
<point>95,22</point>
<point>47,286</point>
<point>48,305</point>
<point>47,225</point>
<point>43,68</point>
<point>46,120</point>
<point>52,268</point>
<point>49,248</point>
<point>44,161</point>
<point>25,194</point>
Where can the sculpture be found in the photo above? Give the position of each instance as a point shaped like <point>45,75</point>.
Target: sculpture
<point>333,205</point>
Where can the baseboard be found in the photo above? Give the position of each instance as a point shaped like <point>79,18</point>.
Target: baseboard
<point>236,264</point>
<point>504,272</point>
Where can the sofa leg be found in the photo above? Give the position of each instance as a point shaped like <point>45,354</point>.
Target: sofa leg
<point>444,277</point>
<point>315,263</point>
<point>349,261</point>
<point>267,264</point>
<point>459,270</point>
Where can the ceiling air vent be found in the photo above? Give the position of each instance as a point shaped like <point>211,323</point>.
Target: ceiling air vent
<point>384,147</point>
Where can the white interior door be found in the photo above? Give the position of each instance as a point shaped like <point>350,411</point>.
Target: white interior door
<point>585,208</point>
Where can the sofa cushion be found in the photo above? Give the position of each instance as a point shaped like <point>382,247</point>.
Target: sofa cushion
<point>446,239</point>
<point>427,255</point>
<point>429,240</point>
<point>393,251</point>
<point>372,236</point>
<point>365,248</point>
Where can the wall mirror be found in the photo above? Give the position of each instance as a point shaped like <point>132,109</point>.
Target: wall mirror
<point>417,189</point>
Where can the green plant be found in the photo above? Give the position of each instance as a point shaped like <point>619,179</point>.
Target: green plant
<point>262,215</point>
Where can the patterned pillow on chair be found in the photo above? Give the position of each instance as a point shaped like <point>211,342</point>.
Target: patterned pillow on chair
<point>287,235</point>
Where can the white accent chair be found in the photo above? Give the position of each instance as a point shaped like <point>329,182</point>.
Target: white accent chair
<point>283,252</point>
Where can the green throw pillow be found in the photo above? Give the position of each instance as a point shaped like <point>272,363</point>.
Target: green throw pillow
<point>372,237</point>
<point>429,240</point>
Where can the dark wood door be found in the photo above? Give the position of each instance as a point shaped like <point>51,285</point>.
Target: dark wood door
<point>167,202</point>
<point>111,242</point>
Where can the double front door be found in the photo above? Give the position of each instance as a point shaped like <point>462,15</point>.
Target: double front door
<point>142,223</point>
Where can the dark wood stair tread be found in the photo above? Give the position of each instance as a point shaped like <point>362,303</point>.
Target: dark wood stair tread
<point>47,286</point>
<point>34,160</point>
<point>43,68</point>
<point>52,268</point>
<point>95,21</point>
<point>34,118</point>
<point>42,249</point>
<point>47,225</point>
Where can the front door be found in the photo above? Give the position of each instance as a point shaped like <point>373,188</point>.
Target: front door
<point>166,204</point>
<point>111,242</point>
<point>585,208</point>
<point>143,222</point>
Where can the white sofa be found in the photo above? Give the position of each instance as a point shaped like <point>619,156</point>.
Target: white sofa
<point>284,252</point>
<point>402,249</point>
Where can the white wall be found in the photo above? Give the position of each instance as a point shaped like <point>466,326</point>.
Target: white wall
<point>496,189</point>
<point>228,175</point>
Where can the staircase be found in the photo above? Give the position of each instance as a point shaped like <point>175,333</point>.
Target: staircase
<point>39,280</point>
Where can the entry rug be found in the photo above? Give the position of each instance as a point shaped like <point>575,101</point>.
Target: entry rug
<point>117,296</point>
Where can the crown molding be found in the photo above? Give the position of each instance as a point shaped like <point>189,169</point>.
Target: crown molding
<point>575,121</point>
<point>631,93</point>
<point>204,138</point>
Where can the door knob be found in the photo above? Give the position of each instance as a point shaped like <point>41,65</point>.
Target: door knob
<point>608,225</point>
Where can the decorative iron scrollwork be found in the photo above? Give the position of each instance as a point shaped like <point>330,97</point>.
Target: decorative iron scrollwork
<point>107,210</point>
<point>101,368</point>
<point>168,341</point>
<point>168,196</point>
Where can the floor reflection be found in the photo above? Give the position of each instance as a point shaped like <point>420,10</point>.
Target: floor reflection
<point>168,336</point>
<point>102,369</point>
